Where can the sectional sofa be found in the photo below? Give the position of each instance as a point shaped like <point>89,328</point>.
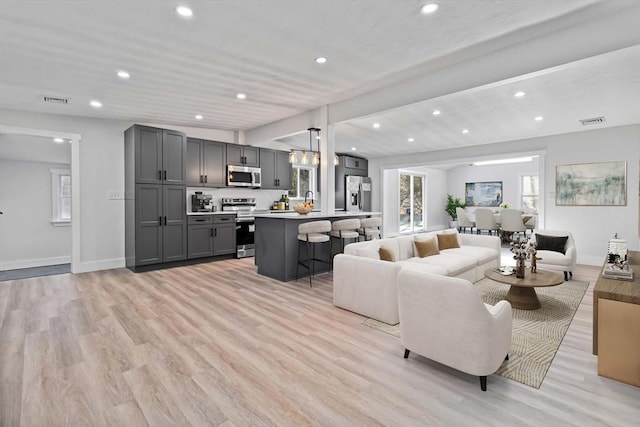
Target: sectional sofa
<point>366,284</point>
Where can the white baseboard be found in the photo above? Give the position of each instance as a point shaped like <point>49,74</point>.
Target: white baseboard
<point>107,264</point>
<point>591,260</point>
<point>29,263</point>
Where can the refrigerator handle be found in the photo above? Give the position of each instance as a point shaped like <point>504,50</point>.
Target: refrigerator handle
<point>360,194</point>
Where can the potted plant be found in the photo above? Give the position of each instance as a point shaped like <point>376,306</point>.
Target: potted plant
<point>450,208</point>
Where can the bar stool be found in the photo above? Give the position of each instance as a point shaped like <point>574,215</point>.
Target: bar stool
<point>370,227</point>
<point>345,229</point>
<point>312,233</point>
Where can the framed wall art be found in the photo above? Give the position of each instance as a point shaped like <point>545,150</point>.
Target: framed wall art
<point>592,184</point>
<point>483,193</point>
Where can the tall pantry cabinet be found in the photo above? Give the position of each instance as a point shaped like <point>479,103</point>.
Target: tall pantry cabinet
<point>155,196</point>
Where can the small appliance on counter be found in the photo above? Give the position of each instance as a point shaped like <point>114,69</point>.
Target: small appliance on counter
<point>201,202</point>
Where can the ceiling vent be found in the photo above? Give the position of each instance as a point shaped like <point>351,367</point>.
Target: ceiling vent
<point>592,121</point>
<point>56,100</point>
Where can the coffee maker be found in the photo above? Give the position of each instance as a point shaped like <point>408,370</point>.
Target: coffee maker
<point>201,202</point>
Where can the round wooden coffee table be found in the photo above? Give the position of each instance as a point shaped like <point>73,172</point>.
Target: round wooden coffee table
<point>522,293</point>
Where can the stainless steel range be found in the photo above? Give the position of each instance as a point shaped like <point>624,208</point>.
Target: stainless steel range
<point>245,223</point>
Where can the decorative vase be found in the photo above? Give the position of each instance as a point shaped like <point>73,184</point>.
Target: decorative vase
<point>520,268</point>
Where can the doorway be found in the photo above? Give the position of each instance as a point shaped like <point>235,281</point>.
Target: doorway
<point>39,227</point>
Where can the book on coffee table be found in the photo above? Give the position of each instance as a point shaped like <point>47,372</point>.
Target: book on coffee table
<point>505,271</point>
<point>611,271</point>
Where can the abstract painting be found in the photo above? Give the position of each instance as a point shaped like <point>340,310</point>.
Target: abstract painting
<point>592,184</point>
<point>483,193</point>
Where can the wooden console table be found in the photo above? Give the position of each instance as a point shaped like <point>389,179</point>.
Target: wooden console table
<point>616,325</point>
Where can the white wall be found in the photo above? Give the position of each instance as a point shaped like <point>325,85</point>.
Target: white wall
<point>592,226</point>
<point>27,237</point>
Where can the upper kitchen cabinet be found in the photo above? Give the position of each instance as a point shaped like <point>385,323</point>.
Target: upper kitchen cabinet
<point>356,163</point>
<point>275,169</point>
<point>243,155</point>
<point>160,155</point>
<point>206,163</point>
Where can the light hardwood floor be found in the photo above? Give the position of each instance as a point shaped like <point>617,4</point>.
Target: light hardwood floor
<point>216,344</point>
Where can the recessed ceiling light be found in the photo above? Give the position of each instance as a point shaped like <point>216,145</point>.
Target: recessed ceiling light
<point>465,130</point>
<point>410,139</point>
<point>123,74</point>
<point>436,112</point>
<point>95,104</point>
<point>198,116</point>
<point>519,94</point>
<point>58,140</point>
<point>376,125</point>
<point>429,8</point>
<point>184,11</point>
<point>241,96</point>
<point>539,119</point>
<point>353,148</point>
<point>321,60</point>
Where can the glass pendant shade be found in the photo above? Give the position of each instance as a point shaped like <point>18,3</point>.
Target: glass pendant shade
<point>292,157</point>
<point>305,158</point>
<point>336,160</point>
<point>316,158</point>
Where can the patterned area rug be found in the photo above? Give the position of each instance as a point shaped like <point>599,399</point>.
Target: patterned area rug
<point>537,334</point>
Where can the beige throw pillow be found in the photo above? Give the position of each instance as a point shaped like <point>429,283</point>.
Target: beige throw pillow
<point>425,248</point>
<point>386,254</point>
<point>447,241</point>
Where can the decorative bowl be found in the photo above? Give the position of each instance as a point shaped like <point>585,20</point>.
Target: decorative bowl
<point>302,209</point>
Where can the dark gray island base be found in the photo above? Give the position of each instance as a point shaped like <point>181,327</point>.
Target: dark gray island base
<point>276,240</point>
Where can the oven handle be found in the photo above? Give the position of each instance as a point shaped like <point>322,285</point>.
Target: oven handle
<point>245,220</point>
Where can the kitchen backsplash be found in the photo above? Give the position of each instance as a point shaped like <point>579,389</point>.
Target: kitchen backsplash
<point>264,198</point>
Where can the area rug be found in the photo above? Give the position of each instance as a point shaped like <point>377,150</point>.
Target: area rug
<point>537,334</point>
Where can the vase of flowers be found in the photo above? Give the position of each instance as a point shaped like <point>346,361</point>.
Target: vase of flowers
<point>520,249</point>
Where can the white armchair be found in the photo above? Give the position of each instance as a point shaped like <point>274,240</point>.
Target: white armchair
<point>562,257</point>
<point>444,319</point>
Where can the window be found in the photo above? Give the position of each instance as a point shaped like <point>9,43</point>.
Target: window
<point>60,197</point>
<point>303,179</point>
<point>530,191</point>
<point>411,202</point>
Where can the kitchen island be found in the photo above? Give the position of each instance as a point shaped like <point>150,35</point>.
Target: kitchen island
<point>276,240</point>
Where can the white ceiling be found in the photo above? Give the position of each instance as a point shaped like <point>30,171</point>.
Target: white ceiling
<point>183,67</point>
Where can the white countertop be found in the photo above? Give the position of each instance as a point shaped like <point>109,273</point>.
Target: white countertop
<point>315,215</point>
<point>211,213</point>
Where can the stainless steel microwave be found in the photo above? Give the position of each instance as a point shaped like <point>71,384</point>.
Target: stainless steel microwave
<point>242,176</point>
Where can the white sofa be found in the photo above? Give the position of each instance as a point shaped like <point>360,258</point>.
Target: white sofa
<point>366,285</point>
<point>444,319</point>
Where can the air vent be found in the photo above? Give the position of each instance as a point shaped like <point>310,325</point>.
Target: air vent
<point>55,100</point>
<point>592,121</point>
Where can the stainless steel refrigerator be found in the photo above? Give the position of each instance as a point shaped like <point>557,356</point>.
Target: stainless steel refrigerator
<point>358,193</point>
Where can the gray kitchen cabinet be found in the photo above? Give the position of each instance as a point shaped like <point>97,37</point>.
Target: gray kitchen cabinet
<point>174,233</point>
<point>348,165</point>
<point>211,235</point>
<point>200,236</point>
<point>243,155</point>
<point>155,196</point>
<point>160,224</point>
<point>224,238</point>
<point>160,155</point>
<point>206,163</point>
<point>275,169</point>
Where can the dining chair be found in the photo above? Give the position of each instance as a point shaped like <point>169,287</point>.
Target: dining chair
<point>485,220</point>
<point>511,222</point>
<point>463,220</point>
